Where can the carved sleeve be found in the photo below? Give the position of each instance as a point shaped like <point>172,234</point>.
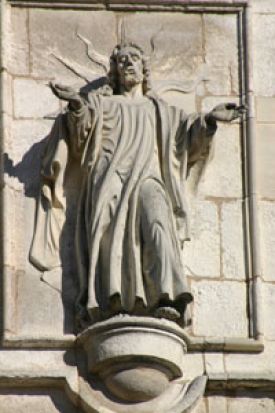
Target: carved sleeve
<point>79,123</point>
<point>199,137</point>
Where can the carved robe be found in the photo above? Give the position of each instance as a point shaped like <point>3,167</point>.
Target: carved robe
<point>132,210</point>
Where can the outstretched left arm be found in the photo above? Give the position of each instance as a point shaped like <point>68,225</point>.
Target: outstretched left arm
<point>203,127</point>
<point>225,112</point>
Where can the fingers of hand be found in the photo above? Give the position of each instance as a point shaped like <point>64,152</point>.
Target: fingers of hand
<point>242,109</point>
<point>54,89</point>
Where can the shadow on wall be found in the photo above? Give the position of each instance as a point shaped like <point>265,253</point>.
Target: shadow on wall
<point>27,172</point>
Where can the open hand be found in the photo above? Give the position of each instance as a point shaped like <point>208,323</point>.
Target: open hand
<point>226,112</point>
<point>66,93</point>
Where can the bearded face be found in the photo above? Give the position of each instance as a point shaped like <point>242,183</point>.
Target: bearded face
<point>129,67</point>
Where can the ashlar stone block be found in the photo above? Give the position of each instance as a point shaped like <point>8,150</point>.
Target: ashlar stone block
<point>251,405</point>
<point>265,160</point>
<point>179,30</point>
<point>222,177</point>
<point>217,404</point>
<point>267,214</point>
<point>30,401</point>
<point>14,252</point>
<point>232,235</point>
<point>265,109</point>
<point>204,238</point>
<point>7,104</point>
<point>18,42</point>
<point>264,54</point>
<point>187,102</point>
<point>221,53</point>
<point>33,99</point>
<point>252,365</point>
<point>201,407</point>
<point>33,362</point>
<point>66,44</point>
<point>269,299</point>
<point>214,364</point>
<point>263,6</point>
<point>219,309</point>
<point>36,320</point>
<point>192,366</point>
<point>28,138</point>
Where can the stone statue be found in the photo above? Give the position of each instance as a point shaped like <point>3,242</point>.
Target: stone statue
<point>136,153</point>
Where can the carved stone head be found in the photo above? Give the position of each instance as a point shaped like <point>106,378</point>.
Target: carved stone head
<point>129,66</point>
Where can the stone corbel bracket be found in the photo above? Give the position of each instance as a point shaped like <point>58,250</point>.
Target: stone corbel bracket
<point>177,399</point>
<point>136,364</point>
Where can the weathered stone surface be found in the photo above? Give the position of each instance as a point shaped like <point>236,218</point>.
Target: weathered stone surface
<point>217,404</point>
<point>214,364</point>
<point>7,126</point>
<point>56,302</point>
<point>33,99</point>
<point>67,45</point>
<point>187,102</point>
<point>193,366</point>
<point>22,161</point>
<point>252,365</point>
<point>7,104</point>
<point>232,236</point>
<point>263,6</point>
<point>269,299</point>
<point>220,180</point>
<point>205,238</point>
<point>251,405</point>
<point>265,109</point>
<point>267,215</point>
<point>201,407</point>
<point>265,161</point>
<point>264,52</point>
<point>36,362</point>
<point>39,401</point>
<point>222,303</point>
<point>28,140</point>
<point>179,30</point>
<point>14,234</point>
<point>10,294</point>
<point>221,52</point>
<point>18,42</point>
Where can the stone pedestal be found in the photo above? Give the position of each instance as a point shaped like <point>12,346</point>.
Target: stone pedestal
<point>137,359</point>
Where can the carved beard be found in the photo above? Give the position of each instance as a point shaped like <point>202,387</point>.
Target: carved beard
<point>131,78</point>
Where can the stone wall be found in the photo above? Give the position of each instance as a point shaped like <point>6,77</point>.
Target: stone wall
<point>203,46</point>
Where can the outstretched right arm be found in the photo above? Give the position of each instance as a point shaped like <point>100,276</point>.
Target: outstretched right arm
<point>68,94</point>
<point>79,116</point>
